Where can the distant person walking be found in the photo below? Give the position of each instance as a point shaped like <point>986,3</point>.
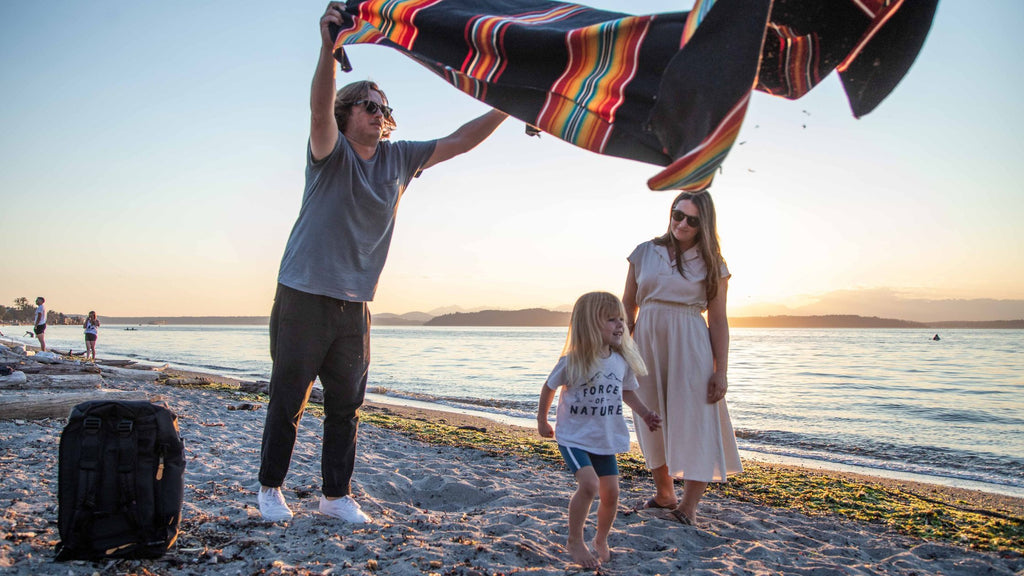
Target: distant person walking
<point>91,327</point>
<point>40,323</point>
<point>596,374</point>
<point>320,323</point>
<point>673,279</point>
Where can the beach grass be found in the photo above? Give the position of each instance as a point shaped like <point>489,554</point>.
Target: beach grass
<point>938,517</point>
<point>902,510</point>
<point>781,487</point>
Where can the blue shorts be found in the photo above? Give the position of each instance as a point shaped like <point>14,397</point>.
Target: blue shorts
<point>576,458</point>
<point>39,329</point>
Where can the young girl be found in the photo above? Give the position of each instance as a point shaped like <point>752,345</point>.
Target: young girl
<point>597,373</point>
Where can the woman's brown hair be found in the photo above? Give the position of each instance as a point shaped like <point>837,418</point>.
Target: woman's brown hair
<point>707,240</point>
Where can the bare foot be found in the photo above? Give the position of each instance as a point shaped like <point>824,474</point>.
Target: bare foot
<point>581,555</point>
<point>604,553</point>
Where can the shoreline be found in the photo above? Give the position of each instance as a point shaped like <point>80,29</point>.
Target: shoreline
<point>453,494</point>
<point>1012,505</point>
<point>811,465</point>
<point>765,459</point>
<point>464,418</point>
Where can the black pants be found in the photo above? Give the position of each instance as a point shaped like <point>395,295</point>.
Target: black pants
<point>309,336</point>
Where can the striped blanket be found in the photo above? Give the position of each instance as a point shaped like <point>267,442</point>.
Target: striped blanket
<point>666,89</point>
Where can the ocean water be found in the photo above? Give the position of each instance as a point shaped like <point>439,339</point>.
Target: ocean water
<point>891,402</point>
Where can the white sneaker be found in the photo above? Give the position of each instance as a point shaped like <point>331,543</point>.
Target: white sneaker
<point>345,508</point>
<point>272,505</point>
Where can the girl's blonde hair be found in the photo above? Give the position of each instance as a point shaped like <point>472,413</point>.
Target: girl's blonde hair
<point>583,343</point>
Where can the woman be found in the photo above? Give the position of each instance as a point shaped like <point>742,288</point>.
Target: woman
<point>687,359</point>
<point>91,326</point>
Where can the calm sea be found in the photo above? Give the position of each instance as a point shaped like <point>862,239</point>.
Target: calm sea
<point>889,402</point>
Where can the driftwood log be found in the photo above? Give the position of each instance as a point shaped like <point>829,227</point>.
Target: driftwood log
<point>145,375</point>
<point>34,406</point>
<point>58,369</point>
<point>57,381</point>
<point>120,363</point>
<point>183,381</point>
<point>148,368</point>
<point>7,356</point>
<point>254,387</point>
<point>13,380</point>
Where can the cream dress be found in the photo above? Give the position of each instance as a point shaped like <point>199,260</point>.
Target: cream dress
<point>696,439</point>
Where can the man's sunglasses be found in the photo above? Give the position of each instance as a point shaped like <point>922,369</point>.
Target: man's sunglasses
<point>679,216</point>
<point>372,108</point>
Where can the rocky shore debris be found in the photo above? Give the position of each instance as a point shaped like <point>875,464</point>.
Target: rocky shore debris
<point>39,385</point>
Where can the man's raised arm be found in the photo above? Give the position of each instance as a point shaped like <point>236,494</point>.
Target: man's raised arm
<point>466,137</point>
<point>323,129</point>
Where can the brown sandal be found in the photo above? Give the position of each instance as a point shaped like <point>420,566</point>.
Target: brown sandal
<point>652,504</point>
<point>683,518</point>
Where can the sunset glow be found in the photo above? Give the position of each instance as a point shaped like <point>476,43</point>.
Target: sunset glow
<point>164,179</point>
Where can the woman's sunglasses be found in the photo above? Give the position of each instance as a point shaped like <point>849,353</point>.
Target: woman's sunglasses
<point>679,216</point>
<point>372,108</point>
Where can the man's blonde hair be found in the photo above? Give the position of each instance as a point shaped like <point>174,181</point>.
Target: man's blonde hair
<point>354,92</point>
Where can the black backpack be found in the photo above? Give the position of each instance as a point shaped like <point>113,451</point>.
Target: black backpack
<point>121,479</point>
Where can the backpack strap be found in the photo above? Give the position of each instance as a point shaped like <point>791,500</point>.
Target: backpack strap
<point>89,462</point>
<point>127,447</point>
<point>85,499</point>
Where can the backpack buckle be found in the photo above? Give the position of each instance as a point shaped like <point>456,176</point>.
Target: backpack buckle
<point>91,423</point>
<point>125,426</point>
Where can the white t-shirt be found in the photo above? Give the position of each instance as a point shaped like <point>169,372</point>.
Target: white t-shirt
<point>589,414</point>
<point>40,317</point>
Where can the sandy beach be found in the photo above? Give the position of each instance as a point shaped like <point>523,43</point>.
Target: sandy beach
<point>441,509</point>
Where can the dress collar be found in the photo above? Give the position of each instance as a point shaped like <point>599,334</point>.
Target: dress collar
<point>690,254</point>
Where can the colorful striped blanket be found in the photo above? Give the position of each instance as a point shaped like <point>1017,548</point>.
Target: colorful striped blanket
<point>666,89</point>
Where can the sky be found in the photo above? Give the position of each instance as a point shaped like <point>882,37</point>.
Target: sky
<point>152,158</point>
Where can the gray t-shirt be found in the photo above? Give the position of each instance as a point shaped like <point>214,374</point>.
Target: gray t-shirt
<point>589,414</point>
<point>340,240</point>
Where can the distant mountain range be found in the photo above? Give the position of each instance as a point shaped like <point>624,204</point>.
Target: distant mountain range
<point>852,321</point>
<point>545,317</point>
<point>187,320</point>
<point>528,317</point>
<point>889,303</point>
<point>542,317</point>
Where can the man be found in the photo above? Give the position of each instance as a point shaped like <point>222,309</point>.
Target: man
<point>319,325</point>
<point>40,323</point>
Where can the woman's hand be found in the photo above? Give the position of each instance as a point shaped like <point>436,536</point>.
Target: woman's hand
<point>717,387</point>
